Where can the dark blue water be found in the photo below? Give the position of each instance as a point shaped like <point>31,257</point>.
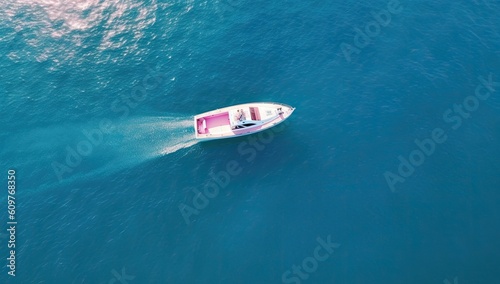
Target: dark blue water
<point>96,100</point>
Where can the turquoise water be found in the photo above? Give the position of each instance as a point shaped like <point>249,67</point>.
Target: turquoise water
<point>97,97</point>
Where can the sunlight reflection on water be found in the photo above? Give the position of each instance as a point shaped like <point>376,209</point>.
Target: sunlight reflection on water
<point>57,30</point>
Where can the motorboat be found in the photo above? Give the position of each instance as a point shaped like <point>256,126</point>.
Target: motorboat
<point>240,120</point>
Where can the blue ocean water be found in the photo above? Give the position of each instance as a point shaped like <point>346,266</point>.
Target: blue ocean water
<point>96,100</point>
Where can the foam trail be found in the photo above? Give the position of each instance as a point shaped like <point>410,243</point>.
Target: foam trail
<point>150,137</point>
<point>132,142</point>
<point>141,139</point>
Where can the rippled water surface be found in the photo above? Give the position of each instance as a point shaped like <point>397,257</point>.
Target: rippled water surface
<point>96,101</point>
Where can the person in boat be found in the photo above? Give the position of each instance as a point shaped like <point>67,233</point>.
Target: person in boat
<point>241,115</point>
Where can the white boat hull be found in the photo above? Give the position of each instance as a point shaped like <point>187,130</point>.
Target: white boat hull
<point>239,120</point>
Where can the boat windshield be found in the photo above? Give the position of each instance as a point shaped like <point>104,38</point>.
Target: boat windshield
<point>244,125</point>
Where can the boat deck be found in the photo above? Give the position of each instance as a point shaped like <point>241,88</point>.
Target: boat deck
<point>215,124</point>
<point>239,120</point>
